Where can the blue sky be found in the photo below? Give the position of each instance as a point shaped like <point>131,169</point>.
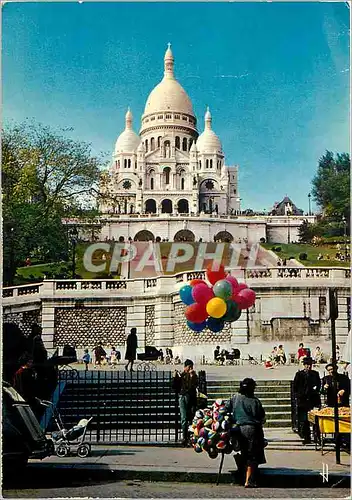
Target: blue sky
<point>275,75</point>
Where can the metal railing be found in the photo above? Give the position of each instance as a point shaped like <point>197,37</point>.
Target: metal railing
<point>137,408</point>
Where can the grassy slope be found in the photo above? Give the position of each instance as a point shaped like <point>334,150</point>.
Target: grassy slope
<point>294,249</point>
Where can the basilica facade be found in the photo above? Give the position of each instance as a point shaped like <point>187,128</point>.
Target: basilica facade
<point>168,168</point>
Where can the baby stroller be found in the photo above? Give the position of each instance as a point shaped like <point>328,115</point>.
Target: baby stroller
<point>64,439</point>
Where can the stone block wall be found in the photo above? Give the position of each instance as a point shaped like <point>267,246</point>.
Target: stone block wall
<point>150,325</point>
<point>184,336</point>
<point>24,319</point>
<point>85,327</point>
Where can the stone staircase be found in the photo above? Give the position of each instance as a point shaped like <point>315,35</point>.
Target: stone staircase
<point>275,396</point>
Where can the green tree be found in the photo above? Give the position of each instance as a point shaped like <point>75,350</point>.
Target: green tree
<point>331,185</point>
<point>45,176</point>
<point>305,232</point>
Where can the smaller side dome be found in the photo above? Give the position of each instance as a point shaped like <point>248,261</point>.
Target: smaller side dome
<point>128,141</point>
<point>208,141</point>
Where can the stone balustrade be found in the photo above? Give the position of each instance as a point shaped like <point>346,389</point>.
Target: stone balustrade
<point>275,277</point>
<point>276,220</point>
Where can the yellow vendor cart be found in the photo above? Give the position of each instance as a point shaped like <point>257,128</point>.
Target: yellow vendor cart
<point>324,426</point>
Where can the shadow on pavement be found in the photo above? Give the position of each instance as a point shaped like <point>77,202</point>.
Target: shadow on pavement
<point>59,475</point>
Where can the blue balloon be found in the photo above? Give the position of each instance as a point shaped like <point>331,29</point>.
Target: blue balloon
<point>215,325</point>
<point>196,327</point>
<point>186,295</point>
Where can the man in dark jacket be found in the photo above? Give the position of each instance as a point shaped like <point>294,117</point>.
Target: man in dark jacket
<point>131,349</point>
<point>185,384</point>
<point>343,387</point>
<point>306,390</point>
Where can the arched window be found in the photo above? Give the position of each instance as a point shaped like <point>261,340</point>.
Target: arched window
<point>184,144</point>
<point>190,144</point>
<point>118,163</point>
<point>200,164</point>
<point>146,145</point>
<point>211,163</point>
<point>125,163</point>
<point>159,141</point>
<point>166,175</point>
<point>177,142</point>
<point>129,163</point>
<point>152,144</point>
<point>151,179</point>
<point>182,184</point>
<point>206,163</point>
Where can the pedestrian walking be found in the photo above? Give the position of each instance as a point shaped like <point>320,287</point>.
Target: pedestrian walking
<point>25,381</point>
<point>306,391</point>
<point>86,359</point>
<point>99,354</point>
<point>343,387</point>
<point>131,349</point>
<point>36,345</point>
<point>249,415</point>
<point>185,385</point>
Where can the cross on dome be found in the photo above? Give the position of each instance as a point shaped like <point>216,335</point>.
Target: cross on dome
<point>169,63</point>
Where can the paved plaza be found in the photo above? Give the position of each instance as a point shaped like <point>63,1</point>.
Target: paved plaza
<point>223,373</point>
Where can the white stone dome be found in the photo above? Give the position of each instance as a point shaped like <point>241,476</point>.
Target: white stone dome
<point>128,141</point>
<point>208,141</point>
<point>168,95</point>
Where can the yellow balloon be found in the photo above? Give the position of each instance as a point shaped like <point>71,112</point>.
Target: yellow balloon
<point>216,307</point>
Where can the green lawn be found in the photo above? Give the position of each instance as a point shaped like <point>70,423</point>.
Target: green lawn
<point>294,249</point>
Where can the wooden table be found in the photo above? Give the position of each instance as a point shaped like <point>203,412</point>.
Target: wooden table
<point>324,425</point>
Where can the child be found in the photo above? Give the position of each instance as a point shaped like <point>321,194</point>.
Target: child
<point>113,357</point>
<point>268,364</point>
<point>86,358</point>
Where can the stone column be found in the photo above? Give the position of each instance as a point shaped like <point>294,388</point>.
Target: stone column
<point>138,322</point>
<point>48,324</point>
<point>239,331</point>
<point>164,328</point>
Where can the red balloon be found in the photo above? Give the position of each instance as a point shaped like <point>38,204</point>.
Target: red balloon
<point>233,282</point>
<point>241,286</point>
<point>245,298</point>
<point>196,313</point>
<point>196,282</point>
<point>201,293</point>
<point>214,276</point>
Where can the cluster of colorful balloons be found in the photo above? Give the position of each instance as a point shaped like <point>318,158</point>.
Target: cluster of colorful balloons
<point>211,430</point>
<point>212,306</point>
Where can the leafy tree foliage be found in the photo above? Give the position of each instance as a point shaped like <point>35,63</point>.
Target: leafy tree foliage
<point>45,176</point>
<point>331,185</point>
<point>305,232</point>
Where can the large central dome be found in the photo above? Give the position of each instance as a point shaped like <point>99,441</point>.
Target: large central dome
<point>168,95</point>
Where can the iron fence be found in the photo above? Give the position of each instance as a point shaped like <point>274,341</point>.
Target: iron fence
<point>294,416</point>
<point>135,408</point>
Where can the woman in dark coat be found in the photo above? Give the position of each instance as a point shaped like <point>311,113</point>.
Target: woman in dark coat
<point>249,415</point>
<point>131,348</point>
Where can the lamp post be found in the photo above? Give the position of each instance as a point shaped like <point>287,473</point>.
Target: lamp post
<point>73,238</point>
<point>309,210</point>
<point>344,222</point>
